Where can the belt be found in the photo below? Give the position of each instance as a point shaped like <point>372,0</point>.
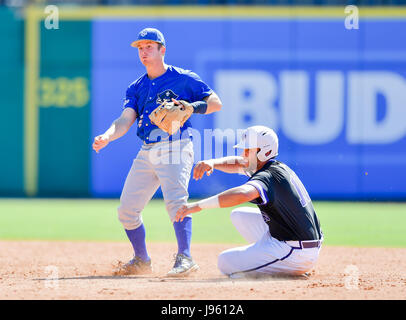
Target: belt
<point>305,244</point>
<point>148,146</point>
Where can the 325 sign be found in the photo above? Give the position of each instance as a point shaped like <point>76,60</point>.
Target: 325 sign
<point>64,92</point>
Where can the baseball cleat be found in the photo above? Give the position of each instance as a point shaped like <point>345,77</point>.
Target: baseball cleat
<point>183,266</point>
<point>134,266</point>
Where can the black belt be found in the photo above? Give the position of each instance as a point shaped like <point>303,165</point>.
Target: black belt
<point>305,244</point>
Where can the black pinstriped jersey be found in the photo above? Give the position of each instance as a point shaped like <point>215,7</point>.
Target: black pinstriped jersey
<point>284,203</point>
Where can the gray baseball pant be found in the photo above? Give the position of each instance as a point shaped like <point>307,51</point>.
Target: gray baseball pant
<point>165,164</point>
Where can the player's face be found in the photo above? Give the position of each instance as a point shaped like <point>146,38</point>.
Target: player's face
<point>149,52</point>
<point>251,156</point>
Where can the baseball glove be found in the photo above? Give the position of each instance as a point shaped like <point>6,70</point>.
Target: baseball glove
<point>170,116</point>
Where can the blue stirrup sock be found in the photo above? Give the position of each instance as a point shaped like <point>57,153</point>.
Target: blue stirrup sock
<point>183,231</point>
<point>137,239</point>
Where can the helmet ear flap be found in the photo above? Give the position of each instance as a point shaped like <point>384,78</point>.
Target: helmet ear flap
<point>264,154</point>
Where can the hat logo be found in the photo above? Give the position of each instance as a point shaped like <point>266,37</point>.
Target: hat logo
<point>143,33</point>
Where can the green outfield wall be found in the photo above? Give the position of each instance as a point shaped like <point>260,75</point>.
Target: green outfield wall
<point>45,116</point>
<point>64,109</point>
<point>11,102</point>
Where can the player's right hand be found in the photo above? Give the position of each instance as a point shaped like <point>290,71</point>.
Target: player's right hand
<point>100,142</point>
<point>205,166</point>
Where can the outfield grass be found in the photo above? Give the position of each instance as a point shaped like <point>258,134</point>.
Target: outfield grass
<point>343,223</point>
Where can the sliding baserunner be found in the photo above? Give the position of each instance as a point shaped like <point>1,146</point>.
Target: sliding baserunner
<point>284,231</point>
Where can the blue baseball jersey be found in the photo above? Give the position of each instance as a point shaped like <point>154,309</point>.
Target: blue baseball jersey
<point>144,95</point>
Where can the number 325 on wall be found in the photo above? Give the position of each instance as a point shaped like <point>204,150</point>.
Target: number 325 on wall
<point>64,92</point>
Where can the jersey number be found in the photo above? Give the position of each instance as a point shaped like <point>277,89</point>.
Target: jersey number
<point>300,189</point>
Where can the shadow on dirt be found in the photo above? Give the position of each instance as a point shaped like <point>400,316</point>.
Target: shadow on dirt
<point>190,280</point>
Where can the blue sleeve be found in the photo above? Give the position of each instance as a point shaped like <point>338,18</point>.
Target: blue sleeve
<point>130,100</point>
<point>199,89</point>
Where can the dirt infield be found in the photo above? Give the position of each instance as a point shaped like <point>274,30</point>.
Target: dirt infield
<point>83,270</point>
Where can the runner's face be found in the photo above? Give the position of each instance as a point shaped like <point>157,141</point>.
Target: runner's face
<point>251,156</point>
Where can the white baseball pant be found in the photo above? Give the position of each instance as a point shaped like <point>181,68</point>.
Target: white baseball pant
<point>264,254</point>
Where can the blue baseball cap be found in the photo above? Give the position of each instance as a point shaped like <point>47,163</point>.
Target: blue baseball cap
<point>150,34</point>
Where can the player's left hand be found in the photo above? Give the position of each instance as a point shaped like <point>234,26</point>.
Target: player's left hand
<point>170,116</point>
<point>186,209</point>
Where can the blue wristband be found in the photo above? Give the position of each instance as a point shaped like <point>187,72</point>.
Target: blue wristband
<point>199,107</point>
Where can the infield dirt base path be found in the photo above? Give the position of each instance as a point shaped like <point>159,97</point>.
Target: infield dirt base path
<point>84,271</point>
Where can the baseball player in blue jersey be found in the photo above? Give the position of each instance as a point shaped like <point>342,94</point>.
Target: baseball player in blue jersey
<point>165,159</point>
